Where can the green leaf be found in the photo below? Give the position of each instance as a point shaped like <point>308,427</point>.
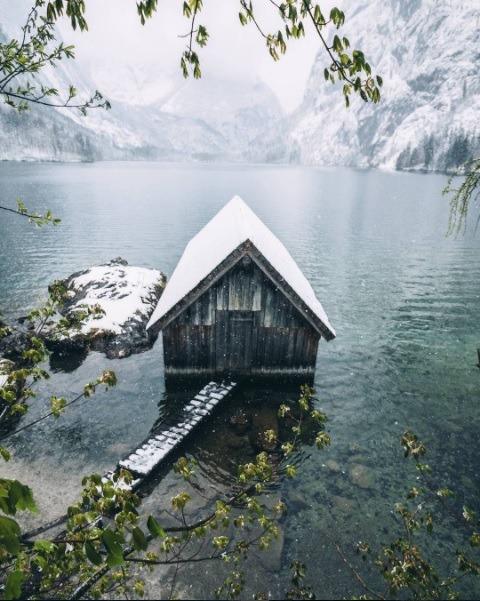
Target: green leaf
<point>44,545</point>
<point>13,586</point>
<point>92,554</point>
<point>468,514</point>
<point>114,561</point>
<point>139,541</point>
<point>5,453</point>
<point>112,542</point>
<point>40,561</point>
<point>21,497</point>
<point>154,527</point>
<point>9,535</point>
<point>290,471</point>
<point>475,540</point>
<point>96,479</point>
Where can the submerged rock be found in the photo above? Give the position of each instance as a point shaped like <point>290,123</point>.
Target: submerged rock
<point>126,296</point>
<point>344,505</point>
<point>333,466</point>
<point>360,475</point>
<point>297,501</point>
<point>234,441</point>
<point>264,419</point>
<point>240,422</point>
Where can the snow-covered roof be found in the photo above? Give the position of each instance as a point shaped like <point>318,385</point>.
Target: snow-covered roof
<point>232,226</point>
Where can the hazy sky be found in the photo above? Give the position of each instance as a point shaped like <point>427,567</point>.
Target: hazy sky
<point>116,36</point>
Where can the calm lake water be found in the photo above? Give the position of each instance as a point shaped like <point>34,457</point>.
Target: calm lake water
<point>403,299</point>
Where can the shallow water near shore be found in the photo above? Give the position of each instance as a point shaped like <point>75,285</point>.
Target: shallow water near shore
<point>403,298</point>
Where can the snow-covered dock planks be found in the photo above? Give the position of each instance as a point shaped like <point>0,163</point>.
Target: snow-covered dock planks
<point>171,433</point>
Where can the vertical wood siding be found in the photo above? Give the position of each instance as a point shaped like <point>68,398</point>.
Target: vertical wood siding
<point>241,324</point>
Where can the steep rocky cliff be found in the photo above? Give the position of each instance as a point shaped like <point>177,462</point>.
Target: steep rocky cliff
<point>429,117</point>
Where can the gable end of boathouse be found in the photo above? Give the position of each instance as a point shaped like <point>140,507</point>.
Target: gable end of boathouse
<point>238,304</point>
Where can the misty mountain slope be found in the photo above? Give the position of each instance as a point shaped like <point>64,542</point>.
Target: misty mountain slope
<point>427,53</point>
<point>428,119</point>
<point>240,110</point>
<point>36,136</point>
<point>154,115</point>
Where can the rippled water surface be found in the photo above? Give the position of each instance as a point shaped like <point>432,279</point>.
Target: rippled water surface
<point>403,298</point>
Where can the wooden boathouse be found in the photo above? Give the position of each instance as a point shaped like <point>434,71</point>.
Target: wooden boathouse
<point>238,304</point>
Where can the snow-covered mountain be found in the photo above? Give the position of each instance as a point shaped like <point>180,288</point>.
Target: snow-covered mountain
<point>428,119</point>
<point>167,129</point>
<point>240,111</point>
<point>154,115</point>
<point>428,54</point>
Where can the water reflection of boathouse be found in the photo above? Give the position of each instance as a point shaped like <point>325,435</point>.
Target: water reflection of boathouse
<point>238,304</point>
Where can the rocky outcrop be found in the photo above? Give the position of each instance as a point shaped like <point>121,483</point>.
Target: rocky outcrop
<point>106,308</point>
<point>12,343</point>
<point>427,120</point>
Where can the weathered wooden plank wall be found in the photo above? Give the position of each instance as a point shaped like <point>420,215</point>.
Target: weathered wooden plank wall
<point>241,324</point>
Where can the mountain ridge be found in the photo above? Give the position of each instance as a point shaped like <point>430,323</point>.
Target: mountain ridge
<point>427,119</point>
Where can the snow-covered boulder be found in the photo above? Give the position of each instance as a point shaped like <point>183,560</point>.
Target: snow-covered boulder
<point>114,302</point>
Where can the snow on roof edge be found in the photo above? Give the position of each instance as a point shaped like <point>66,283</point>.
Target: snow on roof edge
<point>229,228</point>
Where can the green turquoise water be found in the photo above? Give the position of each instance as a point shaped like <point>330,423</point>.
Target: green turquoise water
<point>403,298</point>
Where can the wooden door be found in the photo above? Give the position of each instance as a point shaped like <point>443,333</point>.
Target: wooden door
<point>234,333</point>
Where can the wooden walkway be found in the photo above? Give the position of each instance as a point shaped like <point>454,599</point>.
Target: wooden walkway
<point>166,437</point>
<point>170,433</point>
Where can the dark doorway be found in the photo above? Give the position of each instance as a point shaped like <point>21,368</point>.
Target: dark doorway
<point>234,340</point>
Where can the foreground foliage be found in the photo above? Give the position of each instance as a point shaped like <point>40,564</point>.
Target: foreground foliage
<point>105,534</point>
<point>406,564</point>
<point>462,197</point>
<point>27,370</point>
<point>23,59</point>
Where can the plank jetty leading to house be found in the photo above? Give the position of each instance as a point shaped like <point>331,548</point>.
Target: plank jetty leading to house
<point>160,444</point>
<point>172,431</point>
<point>238,304</point>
